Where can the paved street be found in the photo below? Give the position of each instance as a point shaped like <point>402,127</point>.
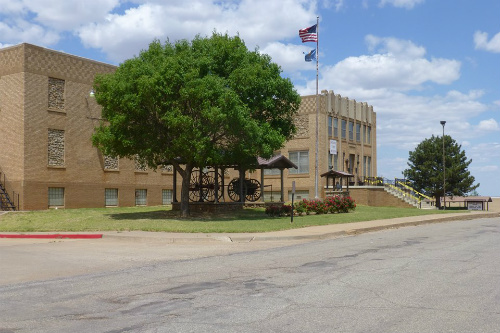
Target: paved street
<point>441,277</point>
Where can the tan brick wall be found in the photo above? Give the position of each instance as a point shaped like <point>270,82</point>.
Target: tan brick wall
<point>376,196</point>
<point>335,106</point>
<point>24,106</point>
<point>11,131</point>
<point>24,102</point>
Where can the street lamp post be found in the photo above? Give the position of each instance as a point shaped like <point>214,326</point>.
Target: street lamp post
<point>444,170</point>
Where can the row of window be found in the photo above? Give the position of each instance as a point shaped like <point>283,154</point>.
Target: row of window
<point>333,130</point>
<point>56,197</point>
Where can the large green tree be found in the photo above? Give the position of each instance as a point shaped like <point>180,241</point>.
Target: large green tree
<point>207,102</point>
<point>426,168</point>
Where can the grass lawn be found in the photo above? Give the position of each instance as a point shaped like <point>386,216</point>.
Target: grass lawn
<point>163,219</point>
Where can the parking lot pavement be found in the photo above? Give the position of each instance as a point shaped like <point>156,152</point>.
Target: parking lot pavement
<point>25,260</point>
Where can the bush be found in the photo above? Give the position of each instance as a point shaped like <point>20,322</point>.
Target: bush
<point>335,204</point>
<point>278,210</point>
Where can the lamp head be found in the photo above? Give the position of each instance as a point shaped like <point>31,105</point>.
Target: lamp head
<point>442,122</point>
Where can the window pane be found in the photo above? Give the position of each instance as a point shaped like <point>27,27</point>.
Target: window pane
<point>351,130</point>
<point>140,197</point>
<point>358,132</point>
<point>335,127</point>
<point>111,196</point>
<point>330,130</point>
<point>56,196</point>
<point>271,172</point>
<point>166,197</point>
<point>343,124</point>
<point>301,160</point>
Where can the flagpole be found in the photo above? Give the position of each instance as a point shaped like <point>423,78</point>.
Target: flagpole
<point>317,112</point>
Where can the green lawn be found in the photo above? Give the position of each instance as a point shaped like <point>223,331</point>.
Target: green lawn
<point>163,219</point>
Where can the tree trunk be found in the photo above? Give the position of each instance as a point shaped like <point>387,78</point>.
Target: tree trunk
<point>438,201</point>
<point>186,179</point>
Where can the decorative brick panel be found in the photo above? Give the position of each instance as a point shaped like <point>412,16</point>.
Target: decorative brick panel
<point>139,166</point>
<point>302,125</point>
<point>56,147</point>
<point>56,94</point>
<point>169,168</point>
<point>110,163</point>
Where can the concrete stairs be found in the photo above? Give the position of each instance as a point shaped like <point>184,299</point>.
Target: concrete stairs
<point>405,196</point>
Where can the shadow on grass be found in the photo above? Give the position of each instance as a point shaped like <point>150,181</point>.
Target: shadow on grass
<point>250,215</point>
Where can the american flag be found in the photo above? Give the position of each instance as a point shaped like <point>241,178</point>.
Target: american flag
<point>309,34</point>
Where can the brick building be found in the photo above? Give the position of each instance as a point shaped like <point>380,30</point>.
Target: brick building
<point>47,117</point>
<point>348,126</point>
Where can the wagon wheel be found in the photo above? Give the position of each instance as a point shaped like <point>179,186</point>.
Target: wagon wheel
<point>208,184</point>
<point>195,184</point>
<point>252,190</point>
<point>233,189</point>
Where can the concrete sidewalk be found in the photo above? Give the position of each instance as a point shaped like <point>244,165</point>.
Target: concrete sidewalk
<point>308,233</point>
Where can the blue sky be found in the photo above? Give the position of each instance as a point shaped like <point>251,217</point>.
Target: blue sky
<point>416,61</point>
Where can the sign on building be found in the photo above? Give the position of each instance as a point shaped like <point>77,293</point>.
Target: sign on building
<point>333,147</point>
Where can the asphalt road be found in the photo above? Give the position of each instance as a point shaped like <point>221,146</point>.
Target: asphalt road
<point>431,278</point>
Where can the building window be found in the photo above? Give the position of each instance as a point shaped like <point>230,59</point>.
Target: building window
<point>364,133</point>
<point>351,130</point>
<point>56,147</point>
<point>368,166</point>
<point>166,197</point>
<point>110,163</point>
<point>335,127</point>
<point>56,196</point>
<point>272,196</point>
<point>369,135</point>
<point>343,125</point>
<point>330,124</point>
<point>140,197</point>
<point>56,94</point>
<point>111,196</point>
<point>335,162</point>
<point>301,160</point>
<point>358,132</point>
<point>299,195</point>
<point>272,172</point>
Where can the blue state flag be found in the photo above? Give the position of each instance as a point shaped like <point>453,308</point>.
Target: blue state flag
<point>311,55</point>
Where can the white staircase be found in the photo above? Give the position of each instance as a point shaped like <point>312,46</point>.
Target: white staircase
<point>406,196</point>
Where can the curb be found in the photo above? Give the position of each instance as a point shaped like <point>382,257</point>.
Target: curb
<point>52,236</point>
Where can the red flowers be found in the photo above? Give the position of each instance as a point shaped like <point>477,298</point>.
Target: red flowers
<point>335,204</point>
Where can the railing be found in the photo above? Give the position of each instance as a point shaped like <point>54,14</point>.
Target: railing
<point>399,186</point>
<point>6,203</point>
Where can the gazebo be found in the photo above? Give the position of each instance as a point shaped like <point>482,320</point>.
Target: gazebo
<point>208,187</point>
<point>337,186</point>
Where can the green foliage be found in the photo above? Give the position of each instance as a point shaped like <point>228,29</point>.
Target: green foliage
<point>202,103</point>
<point>210,101</point>
<point>426,168</point>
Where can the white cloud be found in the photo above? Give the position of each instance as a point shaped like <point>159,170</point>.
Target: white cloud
<point>23,31</point>
<point>481,42</point>
<point>254,20</point>
<point>408,4</point>
<point>488,125</point>
<point>289,56</point>
<point>69,14</point>
<point>399,65</point>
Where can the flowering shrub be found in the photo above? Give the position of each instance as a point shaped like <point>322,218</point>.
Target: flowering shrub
<point>301,206</point>
<point>278,210</point>
<point>335,204</point>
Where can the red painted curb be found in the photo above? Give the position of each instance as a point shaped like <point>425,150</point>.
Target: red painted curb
<point>53,236</point>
